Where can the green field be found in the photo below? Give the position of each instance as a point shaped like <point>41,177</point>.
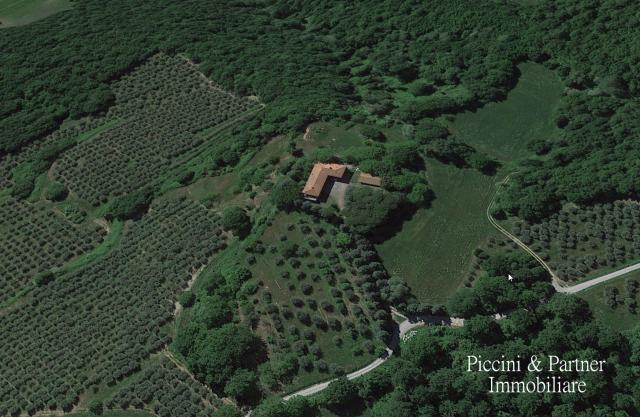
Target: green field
<point>22,12</point>
<point>329,136</point>
<point>433,250</point>
<point>244,186</point>
<point>619,317</point>
<point>339,138</point>
<point>504,129</point>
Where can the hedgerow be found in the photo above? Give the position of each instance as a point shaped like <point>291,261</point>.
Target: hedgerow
<point>43,150</point>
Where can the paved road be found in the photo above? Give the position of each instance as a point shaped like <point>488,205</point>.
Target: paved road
<point>314,389</point>
<point>588,284</point>
<point>404,329</point>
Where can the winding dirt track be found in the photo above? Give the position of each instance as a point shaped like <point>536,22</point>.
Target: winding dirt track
<point>557,283</point>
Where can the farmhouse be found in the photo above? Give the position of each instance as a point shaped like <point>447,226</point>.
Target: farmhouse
<point>321,174</point>
<point>368,179</point>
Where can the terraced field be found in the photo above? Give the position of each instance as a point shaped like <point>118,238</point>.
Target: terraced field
<point>34,238</point>
<point>162,105</point>
<point>90,328</point>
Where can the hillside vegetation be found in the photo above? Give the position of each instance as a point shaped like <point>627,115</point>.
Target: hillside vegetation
<point>158,255</point>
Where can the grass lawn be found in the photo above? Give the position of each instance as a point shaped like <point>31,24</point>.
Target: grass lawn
<point>22,12</point>
<point>504,129</point>
<point>339,138</point>
<point>433,251</point>
<point>619,318</point>
<point>330,136</point>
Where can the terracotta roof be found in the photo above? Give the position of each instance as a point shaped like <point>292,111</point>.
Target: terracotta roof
<point>318,177</point>
<point>369,179</point>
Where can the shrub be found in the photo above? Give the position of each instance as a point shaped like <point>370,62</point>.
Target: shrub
<point>243,386</point>
<point>421,88</point>
<point>341,394</point>
<point>307,289</point>
<point>55,191</point>
<point>95,407</point>
<point>130,205</point>
<point>285,194</point>
<point>367,208</point>
<point>236,220</point>
<point>370,132</point>
<point>43,278</point>
<point>187,298</point>
<point>185,177</point>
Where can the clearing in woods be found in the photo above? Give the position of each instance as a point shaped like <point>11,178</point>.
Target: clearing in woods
<point>504,129</point>
<point>22,12</point>
<point>433,250</point>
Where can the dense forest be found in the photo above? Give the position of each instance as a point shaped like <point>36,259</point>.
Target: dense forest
<point>307,64</point>
<point>387,64</point>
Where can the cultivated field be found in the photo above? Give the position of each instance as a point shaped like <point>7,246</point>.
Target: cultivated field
<point>113,413</point>
<point>581,242</point>
<point>163,105</point>
<point>303,299</point>
<point>89,328</point>
<point>38,237</point>
<point>165,390</point>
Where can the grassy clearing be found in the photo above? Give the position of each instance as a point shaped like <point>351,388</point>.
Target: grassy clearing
<point>330,136</point>
<point>619,317</point>
<point>504,129</point>
<point>244,185</point>
<point>433,250</point>
<point>339,138</point>
<point>22,12</point>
